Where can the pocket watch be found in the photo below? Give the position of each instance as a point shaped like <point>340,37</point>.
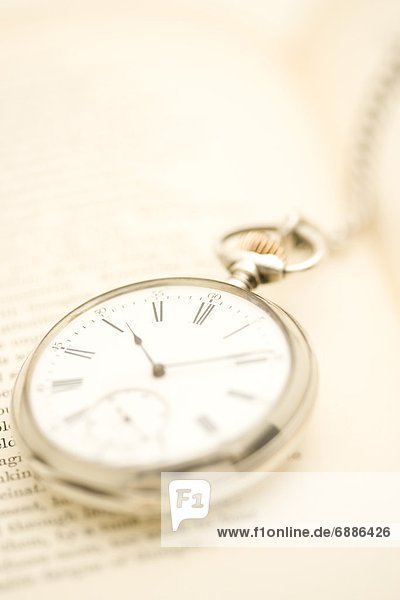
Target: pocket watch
<point>174,374</point>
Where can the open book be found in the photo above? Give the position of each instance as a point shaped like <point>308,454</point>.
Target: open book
<point>132,137</point>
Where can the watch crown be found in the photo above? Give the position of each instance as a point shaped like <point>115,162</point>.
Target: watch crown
<point>261,243</point>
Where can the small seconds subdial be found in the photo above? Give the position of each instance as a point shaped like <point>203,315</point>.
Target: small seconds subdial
<point>139,415</point>
<point>159,375</point>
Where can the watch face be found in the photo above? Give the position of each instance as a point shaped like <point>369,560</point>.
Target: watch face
<point>159,373</point>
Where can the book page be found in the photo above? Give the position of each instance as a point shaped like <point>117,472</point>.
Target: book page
<point>132,138</point>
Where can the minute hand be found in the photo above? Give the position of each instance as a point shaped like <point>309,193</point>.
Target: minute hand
<point>216,358</point>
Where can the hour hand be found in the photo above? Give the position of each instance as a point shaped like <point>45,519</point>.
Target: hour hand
<point>158,369</point>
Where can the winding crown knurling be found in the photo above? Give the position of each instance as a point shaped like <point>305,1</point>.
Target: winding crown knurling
<point>261,243</point>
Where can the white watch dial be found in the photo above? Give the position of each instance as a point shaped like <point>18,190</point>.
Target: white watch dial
<point>159,375</point>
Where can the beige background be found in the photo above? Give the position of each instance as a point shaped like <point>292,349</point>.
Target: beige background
<point>132,135</point>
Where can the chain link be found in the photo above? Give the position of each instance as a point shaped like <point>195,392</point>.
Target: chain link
<point>262,254</point>
<point>361,203</point>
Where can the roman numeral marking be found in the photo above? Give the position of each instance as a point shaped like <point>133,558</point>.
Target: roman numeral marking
<point>81,353</point>
<point>65,385</point>
<point>207,424</point>
<point>242,395</point>
<point>112,325</point>
<point>203,313</point>
<point>158,310</point>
